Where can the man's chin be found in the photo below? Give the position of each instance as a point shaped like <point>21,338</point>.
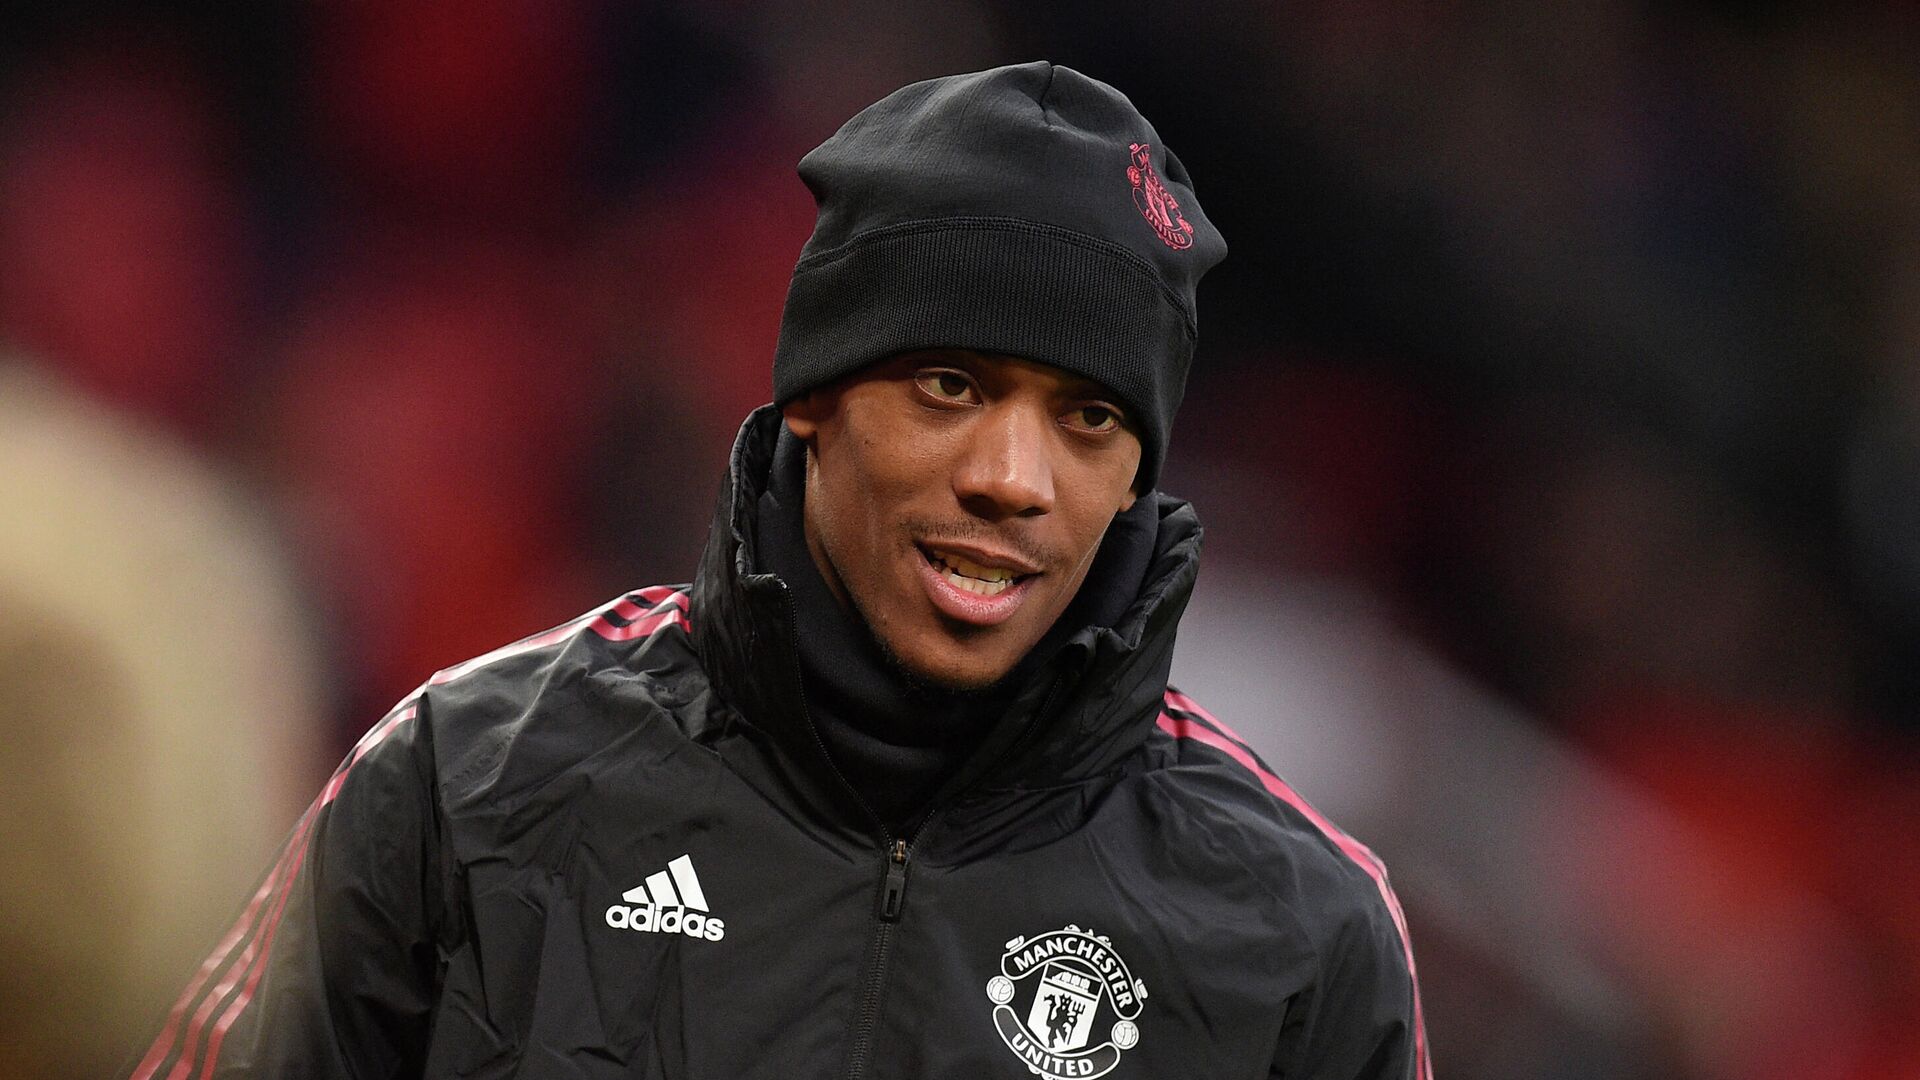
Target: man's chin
<point>939,673</point>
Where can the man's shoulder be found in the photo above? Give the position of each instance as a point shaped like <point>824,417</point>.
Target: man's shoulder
<point>1307,861</point>
<point>632,647</point>
<point>614,633</point>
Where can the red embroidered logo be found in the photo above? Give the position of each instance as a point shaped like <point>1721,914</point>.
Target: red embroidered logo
<point>1156,203</point>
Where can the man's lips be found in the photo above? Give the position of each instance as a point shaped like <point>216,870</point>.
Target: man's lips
<point>957,553</point>
<point>975,585</point>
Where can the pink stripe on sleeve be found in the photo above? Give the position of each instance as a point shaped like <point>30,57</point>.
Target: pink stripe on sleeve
<point>1186,704</point>
<point>1183,728</point>
<point>252,960</point>
<point>221,952</point>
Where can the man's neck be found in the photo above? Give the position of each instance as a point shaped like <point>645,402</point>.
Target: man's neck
<point>893,736</point>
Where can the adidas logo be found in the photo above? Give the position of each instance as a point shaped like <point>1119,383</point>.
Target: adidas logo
<point>671,902</point>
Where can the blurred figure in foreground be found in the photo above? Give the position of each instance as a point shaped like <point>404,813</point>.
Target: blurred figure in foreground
<point>148,630</point>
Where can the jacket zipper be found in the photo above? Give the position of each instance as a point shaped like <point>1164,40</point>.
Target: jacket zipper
<point>893,892</point>
<point>892,900</point>
<point>893,884</point>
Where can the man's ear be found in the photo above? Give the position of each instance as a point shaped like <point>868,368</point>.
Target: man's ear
<point>805,414</point>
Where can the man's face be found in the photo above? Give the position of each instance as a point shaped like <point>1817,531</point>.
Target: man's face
<point>956,500</point>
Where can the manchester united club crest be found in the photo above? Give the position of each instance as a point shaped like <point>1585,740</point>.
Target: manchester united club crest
<point>1065,1003</point>
<point>1156,203</point>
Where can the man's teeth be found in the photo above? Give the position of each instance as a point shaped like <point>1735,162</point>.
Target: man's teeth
<point>971,576</point>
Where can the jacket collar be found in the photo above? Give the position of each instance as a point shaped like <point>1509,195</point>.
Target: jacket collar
<point>1098,704</point>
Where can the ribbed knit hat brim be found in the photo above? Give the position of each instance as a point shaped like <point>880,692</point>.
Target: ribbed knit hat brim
<point>1028,211</point>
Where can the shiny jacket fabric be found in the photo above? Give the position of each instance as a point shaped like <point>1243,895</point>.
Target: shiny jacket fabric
<point>617,849</point>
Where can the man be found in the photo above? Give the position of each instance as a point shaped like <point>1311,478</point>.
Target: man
<point>896,788</point>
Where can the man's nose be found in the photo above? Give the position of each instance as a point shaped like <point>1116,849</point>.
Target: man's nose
<point>1006,469</point>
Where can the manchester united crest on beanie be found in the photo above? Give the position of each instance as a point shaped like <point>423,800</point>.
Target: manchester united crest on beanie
<point>1027,210</point>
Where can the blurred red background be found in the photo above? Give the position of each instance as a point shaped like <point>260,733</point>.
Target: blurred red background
<point>1556,423</point>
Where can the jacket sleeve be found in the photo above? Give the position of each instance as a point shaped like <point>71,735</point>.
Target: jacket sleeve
<point>1361,1020</point>
<point>332,968</point>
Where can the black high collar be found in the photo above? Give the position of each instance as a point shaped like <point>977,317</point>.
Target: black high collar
<point>1094,700</point>
<point>893,740</point>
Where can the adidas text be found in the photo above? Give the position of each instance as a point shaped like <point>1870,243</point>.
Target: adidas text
<point>656,920</point>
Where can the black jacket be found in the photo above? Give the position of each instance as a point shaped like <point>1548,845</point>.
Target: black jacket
<point>617,849</point>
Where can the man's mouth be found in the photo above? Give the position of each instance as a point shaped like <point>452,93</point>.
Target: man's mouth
<point>972,576</point>
<point>975,585</point>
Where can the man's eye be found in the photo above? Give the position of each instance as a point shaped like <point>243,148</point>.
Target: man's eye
<point>945,385</point>
<point>1096,418</point>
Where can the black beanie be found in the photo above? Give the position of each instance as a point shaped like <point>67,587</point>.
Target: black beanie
<point>1027,210</point>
